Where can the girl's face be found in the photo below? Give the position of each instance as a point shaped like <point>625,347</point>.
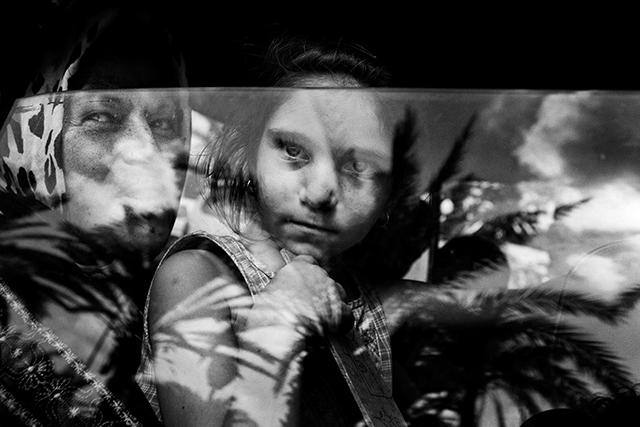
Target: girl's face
<point>324,171</point>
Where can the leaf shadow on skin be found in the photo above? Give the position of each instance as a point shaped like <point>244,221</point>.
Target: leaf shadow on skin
<point>191,332</point>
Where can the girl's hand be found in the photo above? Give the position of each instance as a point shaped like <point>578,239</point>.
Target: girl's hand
<point>303,295</point>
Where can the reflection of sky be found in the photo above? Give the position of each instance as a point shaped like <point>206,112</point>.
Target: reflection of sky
<point>562,148</point>
<point>583,145</point>
<point>552,149</point>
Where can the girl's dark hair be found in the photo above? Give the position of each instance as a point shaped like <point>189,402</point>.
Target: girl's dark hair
<point>289,63</point>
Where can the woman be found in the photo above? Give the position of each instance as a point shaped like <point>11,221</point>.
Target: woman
<point>90,188</point>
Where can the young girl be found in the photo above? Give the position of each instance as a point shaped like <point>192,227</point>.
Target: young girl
<point>238,323</point>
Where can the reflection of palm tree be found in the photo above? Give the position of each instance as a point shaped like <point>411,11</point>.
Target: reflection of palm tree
<point>49,257</point>
<point>206,351</point>
<point>472,347</point>
<point>190,326</point>
<point>46,260</point>
<point>46,263</point>
<point>462,348</point>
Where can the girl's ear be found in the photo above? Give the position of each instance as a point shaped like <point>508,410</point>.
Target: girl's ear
<point>251,187</point>
<point>383,220</point>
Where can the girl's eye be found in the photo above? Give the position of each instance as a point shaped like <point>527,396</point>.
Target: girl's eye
<point>291,150</point>
<point>359,168</point>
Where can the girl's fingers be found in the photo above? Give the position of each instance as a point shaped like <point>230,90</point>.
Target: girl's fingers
<point>347,322</point>
<point>338,317</point>
<point>341,292</point>
<point>320,299</point>
<point>306,258</point>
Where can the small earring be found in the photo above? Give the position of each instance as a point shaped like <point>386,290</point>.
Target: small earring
<point>386,221</point>
<point>251,188</point>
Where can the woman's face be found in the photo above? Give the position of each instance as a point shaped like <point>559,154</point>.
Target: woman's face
<point>120,152</point>
<point>324,171</point>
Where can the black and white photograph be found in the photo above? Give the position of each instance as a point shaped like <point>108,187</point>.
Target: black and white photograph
<point>216,216</point>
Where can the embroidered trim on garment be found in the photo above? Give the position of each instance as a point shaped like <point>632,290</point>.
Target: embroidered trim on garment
<point>73,361</point>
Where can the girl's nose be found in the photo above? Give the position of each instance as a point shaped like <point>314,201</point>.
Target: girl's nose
<point>136,143</point>
<point>321,189</point>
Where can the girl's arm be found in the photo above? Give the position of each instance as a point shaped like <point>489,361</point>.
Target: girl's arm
<point>218,358</point>
<point>189,325</point>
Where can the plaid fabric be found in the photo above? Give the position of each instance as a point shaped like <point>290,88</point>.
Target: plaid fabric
<point>326,398</point>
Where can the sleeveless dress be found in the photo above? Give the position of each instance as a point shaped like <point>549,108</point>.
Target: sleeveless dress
<point>326,398</point>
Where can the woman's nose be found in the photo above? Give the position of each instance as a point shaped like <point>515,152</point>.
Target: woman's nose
<point>136,143</point>
<point>321,188</point>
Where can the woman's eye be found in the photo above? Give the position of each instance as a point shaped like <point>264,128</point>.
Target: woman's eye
<point>164,122</point>
<point>164,125</point>
<point>102,118</point>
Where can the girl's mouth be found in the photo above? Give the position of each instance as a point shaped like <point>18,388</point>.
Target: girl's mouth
<point>313,227</point>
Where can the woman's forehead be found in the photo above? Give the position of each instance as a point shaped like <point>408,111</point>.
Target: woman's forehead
<point>145,99</point>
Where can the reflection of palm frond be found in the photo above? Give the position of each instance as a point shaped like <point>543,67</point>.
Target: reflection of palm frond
<point>565,209</point>
<point>13,206</point>
<point>40,254</point>
<point>388,252</point>
<point>45,260</point>
<point>548,302</point>
<point>472,344</point>
<point>213,297</point>
<point>405,168</point>
<point>452,163</point>
<point>192,325</point>
<point>517,227</point>
<point>447,171</point>
<point>466,257</point>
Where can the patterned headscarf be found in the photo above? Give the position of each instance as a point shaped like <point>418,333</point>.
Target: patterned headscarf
<point>31,140</point>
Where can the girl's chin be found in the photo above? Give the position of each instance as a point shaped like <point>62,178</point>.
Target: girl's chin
<point>321,254</point>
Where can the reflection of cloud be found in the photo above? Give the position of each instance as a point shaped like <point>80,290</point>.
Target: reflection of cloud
<point>559,118</point>
<point>583,138</point>
<point>614,207</point>
<point>543,194</point>
<point>600,272</point>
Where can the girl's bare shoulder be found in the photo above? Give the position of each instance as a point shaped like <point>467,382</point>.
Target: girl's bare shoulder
<point>184,273</point>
